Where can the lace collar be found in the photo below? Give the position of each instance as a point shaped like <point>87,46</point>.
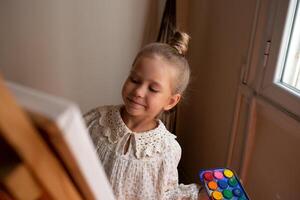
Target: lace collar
<point>146,143</point>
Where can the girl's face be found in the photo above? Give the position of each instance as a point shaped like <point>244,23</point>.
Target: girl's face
<point>148,89</point>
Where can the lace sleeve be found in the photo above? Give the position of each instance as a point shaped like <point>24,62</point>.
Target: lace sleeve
<point>173,190</point>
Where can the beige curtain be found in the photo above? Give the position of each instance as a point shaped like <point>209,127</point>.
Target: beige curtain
<point>166,31</point>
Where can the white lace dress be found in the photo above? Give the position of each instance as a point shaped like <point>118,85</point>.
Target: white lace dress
<point>148,169</point>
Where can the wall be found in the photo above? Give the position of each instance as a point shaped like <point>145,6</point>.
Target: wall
<point>220,32</point>
<point>83,51</point>
<point>80,50</point>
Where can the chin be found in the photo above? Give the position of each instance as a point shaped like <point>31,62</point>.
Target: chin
<point>132,111</point>
<point>133,106</point>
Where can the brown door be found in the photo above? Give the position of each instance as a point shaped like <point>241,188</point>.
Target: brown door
<point>265,142</point>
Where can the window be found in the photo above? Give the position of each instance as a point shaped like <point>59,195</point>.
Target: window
<point>281,77</point>
<point>289,59</point>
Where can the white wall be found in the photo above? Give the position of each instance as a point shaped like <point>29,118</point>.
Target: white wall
<point>80,50</point>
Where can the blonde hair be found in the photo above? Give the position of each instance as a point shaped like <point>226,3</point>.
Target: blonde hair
<point>174,52</point>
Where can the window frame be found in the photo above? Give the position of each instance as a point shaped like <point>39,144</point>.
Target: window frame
<point>270,87</point>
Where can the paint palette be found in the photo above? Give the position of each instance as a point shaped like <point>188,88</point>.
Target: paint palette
<point>222,184</point>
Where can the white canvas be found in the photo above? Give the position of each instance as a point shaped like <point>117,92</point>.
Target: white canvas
<point>68,119</point>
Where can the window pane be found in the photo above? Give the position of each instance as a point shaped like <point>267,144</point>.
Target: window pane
<point>290,76</point>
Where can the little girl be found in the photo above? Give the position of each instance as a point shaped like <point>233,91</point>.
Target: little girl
<point>139,155</point>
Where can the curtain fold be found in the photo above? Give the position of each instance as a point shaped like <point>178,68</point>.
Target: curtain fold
<point>166,31</point>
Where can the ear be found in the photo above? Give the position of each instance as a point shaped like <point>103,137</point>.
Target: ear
<point>173,100</point>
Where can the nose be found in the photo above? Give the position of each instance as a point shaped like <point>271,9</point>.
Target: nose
<point>139,91</point>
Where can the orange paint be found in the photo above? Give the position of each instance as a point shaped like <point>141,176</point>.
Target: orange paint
<point>212,185</point>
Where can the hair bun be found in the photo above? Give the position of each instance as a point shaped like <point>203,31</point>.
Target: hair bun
<point>180,41</point>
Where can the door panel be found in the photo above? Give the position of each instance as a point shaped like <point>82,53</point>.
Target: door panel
<point>273,170</point>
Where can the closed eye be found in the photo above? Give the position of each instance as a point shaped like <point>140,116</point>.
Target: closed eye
<point>134,80</point>
<point>153,90</point>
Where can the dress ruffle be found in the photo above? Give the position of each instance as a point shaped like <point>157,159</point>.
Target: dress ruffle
<point>112,128</point>
<point>146,145</point>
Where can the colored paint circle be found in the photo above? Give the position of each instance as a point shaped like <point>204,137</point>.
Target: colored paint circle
<point>212,185</point>
<point>237,192</point>
<point>228,173</point>
<point>208,176</point>
<point>227,194</point>
<point>222,184</point>
<point>232,182</point>
<point>242,198</point>
<point>217,195</point>
<point>218,175</point>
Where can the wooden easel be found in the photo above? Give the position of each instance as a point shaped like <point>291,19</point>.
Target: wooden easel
<point>30,168</point>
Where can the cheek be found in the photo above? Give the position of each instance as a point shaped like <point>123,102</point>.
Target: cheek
<point>125,88</point>
<point>128,87</point>
<point>157,99</point>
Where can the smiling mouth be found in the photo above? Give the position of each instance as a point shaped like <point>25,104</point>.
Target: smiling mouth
<point>134,102</point>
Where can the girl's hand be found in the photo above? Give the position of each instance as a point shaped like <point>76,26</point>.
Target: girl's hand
<point>203,195</point>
